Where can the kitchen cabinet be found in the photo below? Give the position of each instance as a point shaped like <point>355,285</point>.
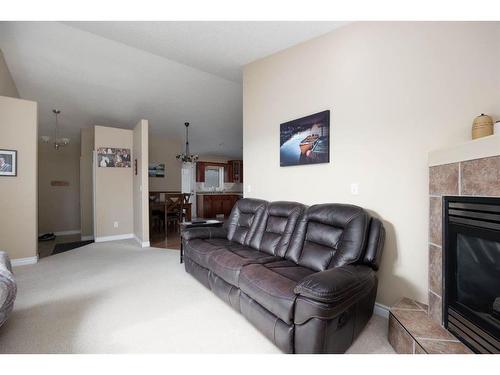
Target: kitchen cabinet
<point>201,167</point>
<point>211,205</point>
<point>234,171</point>
<point>200,171</point>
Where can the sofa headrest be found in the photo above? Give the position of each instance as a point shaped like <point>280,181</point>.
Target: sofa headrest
<point>250,205</point>
<point>276,227</point>
<point>284,208</point>
<point>329,235</point>
<point>244,220</point>
<point>334,214</point>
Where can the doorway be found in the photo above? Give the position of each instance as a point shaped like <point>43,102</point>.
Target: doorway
<point>58,197</point>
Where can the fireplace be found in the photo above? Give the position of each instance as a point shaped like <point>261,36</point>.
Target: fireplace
<point>471,300</point>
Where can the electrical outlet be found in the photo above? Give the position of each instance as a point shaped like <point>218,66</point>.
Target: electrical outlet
<point>115,224</point>
<point>249,188</point>
<point>354,188</point>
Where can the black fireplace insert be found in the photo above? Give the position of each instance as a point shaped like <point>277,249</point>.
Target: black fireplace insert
<point>471,271</point>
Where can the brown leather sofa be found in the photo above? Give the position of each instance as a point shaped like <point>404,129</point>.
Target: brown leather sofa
<point>304,276</point>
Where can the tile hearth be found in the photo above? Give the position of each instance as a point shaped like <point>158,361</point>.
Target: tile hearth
<point>412,331</point>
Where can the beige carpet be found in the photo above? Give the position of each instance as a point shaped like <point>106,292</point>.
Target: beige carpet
<point>118,298</point>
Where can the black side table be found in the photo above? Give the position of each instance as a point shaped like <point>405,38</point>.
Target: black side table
<point>190,224</point>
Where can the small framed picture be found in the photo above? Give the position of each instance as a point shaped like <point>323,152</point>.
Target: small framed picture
<point>8,163</point>
<point>157,170</point>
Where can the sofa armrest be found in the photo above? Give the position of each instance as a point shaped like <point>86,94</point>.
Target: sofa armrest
<point>337,285</point>
<point>8,288</point>
<point>204,233</point>
<point>5,261</point>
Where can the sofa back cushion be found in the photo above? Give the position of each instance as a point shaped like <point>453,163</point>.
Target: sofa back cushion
<point>276,227</point>
<point>244,220</point>
<point>329,235</point>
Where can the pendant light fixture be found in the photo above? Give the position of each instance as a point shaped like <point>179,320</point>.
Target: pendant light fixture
<point>58,142</point>
<point>187,157</point>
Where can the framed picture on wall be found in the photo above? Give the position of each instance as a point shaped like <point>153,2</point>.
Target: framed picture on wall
<point>305,140</point>
<point>108,157</point>
<point>157,170</point>
<point>8,163</point>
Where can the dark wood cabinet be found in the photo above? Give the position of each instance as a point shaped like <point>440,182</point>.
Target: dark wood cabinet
<point>201,167</point>
<point>234,171</point>
<point>200,171</point>
<point>211,205</point>
<point>208,206</point>
<point>228,202</point>
<point>228,172</point>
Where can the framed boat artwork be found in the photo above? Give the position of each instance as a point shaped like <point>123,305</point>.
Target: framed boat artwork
<point>305,140</point>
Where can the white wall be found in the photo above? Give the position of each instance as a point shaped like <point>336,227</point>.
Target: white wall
<point>86,183</point>
<point>113,187</point>
<point>141,184</point>
<point>395,91</point>
<point>18,195</point>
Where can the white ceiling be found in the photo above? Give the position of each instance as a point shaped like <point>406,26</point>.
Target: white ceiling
<point>220,48</point>
<point>115,73</point>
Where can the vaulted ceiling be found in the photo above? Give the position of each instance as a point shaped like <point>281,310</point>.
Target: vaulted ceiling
<point>115,73</point>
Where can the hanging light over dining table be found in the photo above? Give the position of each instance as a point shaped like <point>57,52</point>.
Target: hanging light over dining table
<point>187,157</point>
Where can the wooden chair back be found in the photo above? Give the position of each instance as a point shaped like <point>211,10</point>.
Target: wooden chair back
<point>174,203</point>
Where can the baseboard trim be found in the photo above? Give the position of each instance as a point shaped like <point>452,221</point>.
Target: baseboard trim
<point>65,232</point>
<point>24,261</point>
<point>142,243</point>
<point>114,238</point>
<point>381,310</point>
<point>86,238</point>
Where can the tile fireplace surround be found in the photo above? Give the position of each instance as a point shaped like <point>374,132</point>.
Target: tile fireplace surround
<point>469,169</point>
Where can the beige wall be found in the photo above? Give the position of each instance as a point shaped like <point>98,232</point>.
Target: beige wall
<point>86,183</point>
<point>395,92</point>
<point>214,159</point>
<point>141,184</point>
<point>59,206</point>
<point>7,85</point>
<point>164,150</point>
<point>113,187</point>
<point>18,197</point>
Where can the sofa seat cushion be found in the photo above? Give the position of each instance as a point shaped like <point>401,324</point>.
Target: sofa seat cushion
<point>228,262</point>
<point>272,284</point>
<point>199,251</point>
